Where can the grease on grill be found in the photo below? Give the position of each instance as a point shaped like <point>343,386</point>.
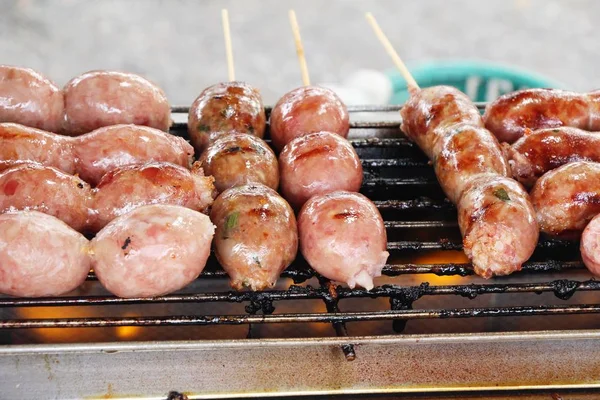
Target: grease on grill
<point>176,396</point>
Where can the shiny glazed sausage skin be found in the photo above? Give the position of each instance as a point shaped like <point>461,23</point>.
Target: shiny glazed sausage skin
<point>472,170</point>
<point>225,108</point>
<point>39,188</point>
<point>104,149</point>
<point>40,255</point>
<point>28,98</point>
<point>590,246</point>
<point>318,163</point>
<point>22,143</point>
<point>511,115</point>
<point>256,236</point>
<point>567,198</point>
<point>308,109</point>
<point>126,188</point>
<point>546,149</point>
<point>103,98</point>
<point>239,158</point>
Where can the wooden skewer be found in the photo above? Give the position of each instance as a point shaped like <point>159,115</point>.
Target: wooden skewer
<point>410,81</point>
<point>228,48</point>
<point>299,48</point>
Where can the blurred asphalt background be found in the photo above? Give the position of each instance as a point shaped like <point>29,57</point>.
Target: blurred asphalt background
<point>179,44</point>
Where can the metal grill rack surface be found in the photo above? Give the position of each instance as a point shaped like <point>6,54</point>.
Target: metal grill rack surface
<point>366,345</point>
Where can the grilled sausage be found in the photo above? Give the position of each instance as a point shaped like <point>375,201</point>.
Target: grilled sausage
<point>308,109</point>
<point>48,190</point>
<point>152,251</point>
<point>21,143</point>
<point>318,163</point>
<point>543,150</point>
<point>103,98</point>
<point>256,236</point>
<point>511,115</point>
<point>224,108</point>
<point>238,159</point>
<point>28,98</point>
<point>472,171</point>
<point>567,198</point>
<point>590,246</point>
<point>98,152</point>
<point>126,188</point>
<point>343,238</point>
<point>497,222</point>
<point>40,255</point>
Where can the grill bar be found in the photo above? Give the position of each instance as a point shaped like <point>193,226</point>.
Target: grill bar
<point>301,318</point>
<point>563,288</point>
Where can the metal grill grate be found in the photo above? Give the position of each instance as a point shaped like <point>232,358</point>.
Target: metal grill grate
<point>403,186</point>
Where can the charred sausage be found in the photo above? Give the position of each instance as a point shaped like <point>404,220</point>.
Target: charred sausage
<point>472,171</point>
<point>126,188</point>
<point>318,163</point>
<point>256,236</point>
<point>238,159</point>
<point>307,109</point>
<point>98,152</point>
<point>28,98</point>
<point>40,255</point>
<point>511,115</point>
<point>343,238</point>
<point>152,251</point>
<point>543,150</point>
<point>102,98</point>
<point>225,108</point>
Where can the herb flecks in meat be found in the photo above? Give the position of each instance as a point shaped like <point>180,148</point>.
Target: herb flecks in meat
<point>231,222</point>
<point>501,194</point>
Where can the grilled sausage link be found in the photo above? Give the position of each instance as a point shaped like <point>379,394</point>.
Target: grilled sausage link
<point>473,173</point>
<point>28,98</point>
<point>512,114</point>
<point>543,150</point>
<point>567,198</point>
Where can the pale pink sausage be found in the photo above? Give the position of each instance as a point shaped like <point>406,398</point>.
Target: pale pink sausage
<point>152,251</point>
<point>590,246</point>
<point>28,98</point>
<point>98,152</point>
<point>103,98</point>
<point>342,236</point>
<point>40,255</point>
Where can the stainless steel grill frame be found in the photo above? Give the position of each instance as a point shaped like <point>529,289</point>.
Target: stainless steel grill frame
<point>48,369</point>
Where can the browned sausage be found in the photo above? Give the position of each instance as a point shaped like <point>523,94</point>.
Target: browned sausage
<point>225,108</point>
<point>511,115</point>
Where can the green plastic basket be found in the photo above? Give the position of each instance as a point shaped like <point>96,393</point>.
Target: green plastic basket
<point>481,81</point>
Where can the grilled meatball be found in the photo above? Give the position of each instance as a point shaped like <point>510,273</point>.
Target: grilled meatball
<point>152,251</point>
<point>590,246</point>
<point>472,170</point>
<point>498,225</point>
<point>28,98</point>
<point>510,116</point>
<point>125,188</point>
<point>343,238</point>
<point>567,198</point>
<point>318,163</point>
<point>48,190</point>
<point>308,109</point>
<point>546,149</point>
<point>224,108</point>
<point>238,159</point>
<point>256,237</point>
<point>21,143</point>
<point>107,148</point>
<point>103,98</point>
<point>40,255</point>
